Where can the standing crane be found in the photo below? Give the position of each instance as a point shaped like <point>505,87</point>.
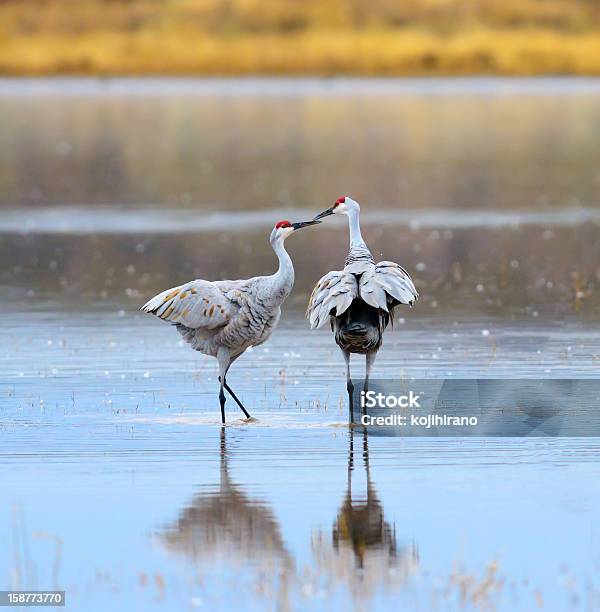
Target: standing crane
<point>360,300</point>
<point>224,318</point>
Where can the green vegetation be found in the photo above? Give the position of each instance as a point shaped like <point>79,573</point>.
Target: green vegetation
<point>323,37</point>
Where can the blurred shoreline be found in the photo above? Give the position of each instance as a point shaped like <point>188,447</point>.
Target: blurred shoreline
<point>410,52</point>
<point>313,37</point>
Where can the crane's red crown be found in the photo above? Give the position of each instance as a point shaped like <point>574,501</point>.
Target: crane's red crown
<point>339,201</point>
<point>281,224</point>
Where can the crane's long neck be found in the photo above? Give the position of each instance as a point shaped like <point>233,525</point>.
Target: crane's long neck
<point>359,251</point>
<point>356,238</point>
<point>282,281</point>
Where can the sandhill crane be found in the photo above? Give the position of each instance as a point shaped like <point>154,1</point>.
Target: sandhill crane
<point>224,318</point>
<point>359,301</point>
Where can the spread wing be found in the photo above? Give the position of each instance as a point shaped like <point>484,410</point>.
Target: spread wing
<point>198,304</point>
<point>334,292</point>
<point>386,285</point>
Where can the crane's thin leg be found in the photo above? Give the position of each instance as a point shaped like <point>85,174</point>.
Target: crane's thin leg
<point>224,362</point>
<point>370,361</point>
<point>235,398</point>
<point>349,385</point>
<point>222,402</point>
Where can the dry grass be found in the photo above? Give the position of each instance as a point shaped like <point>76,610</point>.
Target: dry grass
<point>324,37</point>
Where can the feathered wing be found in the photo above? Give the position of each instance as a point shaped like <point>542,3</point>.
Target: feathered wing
<point>333,294</point>
<point>198,304</point>
<point>386,285</point>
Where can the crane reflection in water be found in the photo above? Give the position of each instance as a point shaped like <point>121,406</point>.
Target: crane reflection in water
<point>361,551</point>
<point>228,523</point>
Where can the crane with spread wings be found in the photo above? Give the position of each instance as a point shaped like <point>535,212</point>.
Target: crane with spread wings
<point>359,301</point>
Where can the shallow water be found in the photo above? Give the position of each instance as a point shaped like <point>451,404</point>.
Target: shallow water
<point>112,451</point>
<point>120,485</point>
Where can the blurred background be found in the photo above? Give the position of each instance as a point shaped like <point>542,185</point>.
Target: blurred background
<point>486,191</point>
<point>485,186</point>
<point>324,37</point>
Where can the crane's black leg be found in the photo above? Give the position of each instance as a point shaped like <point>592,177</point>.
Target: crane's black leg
<point>224,359</point>
<point>349,386</point>
<point>235,397</point>
<point>222,402</point>
<point>370,361</point>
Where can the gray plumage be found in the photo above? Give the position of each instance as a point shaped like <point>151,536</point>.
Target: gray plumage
<point>224,318</point>
<point>360,300</point>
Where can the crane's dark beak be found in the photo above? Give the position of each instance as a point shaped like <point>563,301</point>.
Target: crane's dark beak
<point>325,213</point>
<point>302,224</point>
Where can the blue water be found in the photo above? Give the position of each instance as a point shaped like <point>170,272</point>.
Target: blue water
<point>112,451</point>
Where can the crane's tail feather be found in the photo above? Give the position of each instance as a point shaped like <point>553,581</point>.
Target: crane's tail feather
<point>153,305</point>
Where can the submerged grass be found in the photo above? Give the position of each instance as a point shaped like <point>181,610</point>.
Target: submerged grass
<point>233,37</point>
